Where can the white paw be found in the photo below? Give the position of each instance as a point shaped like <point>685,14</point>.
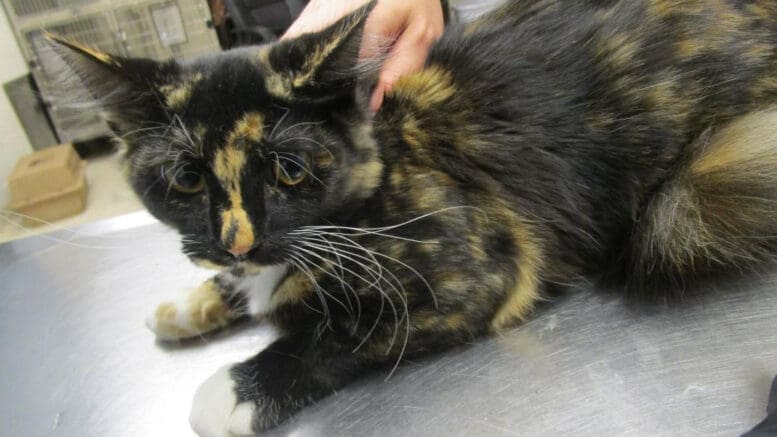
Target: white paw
<point>215,411</point>
<point>201,310</point>
<point>170,322</point>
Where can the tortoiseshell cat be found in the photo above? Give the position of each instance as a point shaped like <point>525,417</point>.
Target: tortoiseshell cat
<point>631,141</point>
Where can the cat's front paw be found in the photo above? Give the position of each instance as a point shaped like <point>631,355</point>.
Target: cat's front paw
<point>216,411</point>
<point>202,310</point>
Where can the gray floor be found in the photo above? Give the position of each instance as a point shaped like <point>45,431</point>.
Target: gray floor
<point>76,360</point>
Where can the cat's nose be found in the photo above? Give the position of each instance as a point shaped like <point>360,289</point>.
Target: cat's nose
<point>238,250</point>
<point>239,245</point>
<point>237,236</point>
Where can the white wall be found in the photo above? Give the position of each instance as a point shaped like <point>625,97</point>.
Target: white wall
<point>13,140</point>
<point>468,10</point>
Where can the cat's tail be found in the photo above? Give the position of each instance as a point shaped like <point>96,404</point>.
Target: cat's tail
<point>717,215</point>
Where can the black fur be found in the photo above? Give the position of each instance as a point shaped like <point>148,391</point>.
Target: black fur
<point>547,141</point>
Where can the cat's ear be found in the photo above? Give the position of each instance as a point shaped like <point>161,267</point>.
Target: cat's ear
<point>321,65</point>
<point>125,90</point>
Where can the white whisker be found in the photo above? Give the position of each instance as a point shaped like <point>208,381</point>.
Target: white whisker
<point>311,253</point>
<point>407,266</point>
<point>377,276</point>
<point>309,140</point>
<point>374,274</point>
<point>278,157</point>
<point>56,239</point>
<point>344,284</point>
<point>390,227</point>
<point>302,267</point>
<point>357,232</point>
<point>280,122</point>
<point>304,123</point>
<point>373,285</point>
<point>80,234</point>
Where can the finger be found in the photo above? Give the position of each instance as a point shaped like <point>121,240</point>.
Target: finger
<point>380,31</point>
<point>318,15</point>
<point>408,56</point>
<point>377,98</point>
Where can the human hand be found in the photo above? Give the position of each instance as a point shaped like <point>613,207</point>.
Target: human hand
<point>412,26</point>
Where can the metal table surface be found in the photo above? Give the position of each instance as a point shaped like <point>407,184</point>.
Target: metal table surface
<point>76,359</point>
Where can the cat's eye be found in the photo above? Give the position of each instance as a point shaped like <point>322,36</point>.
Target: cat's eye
<point>291,168</point>
<point>184,179</point>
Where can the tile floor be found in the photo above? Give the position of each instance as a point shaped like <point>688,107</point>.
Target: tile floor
<point>109,196</point>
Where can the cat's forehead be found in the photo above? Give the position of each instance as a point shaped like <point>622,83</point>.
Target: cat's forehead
<point>231,100</point>
<point>224,84</point>
<point>222,99</point>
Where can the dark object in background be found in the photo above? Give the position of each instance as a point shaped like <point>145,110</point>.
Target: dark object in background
<point>95,147</point>
<point>31,111</point>
<point>247,22</point>
<point>767,428</point>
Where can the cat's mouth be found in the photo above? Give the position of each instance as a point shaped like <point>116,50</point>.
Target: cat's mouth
<point>218,259</point>
<point>264,254</point>
<point>212,254</point>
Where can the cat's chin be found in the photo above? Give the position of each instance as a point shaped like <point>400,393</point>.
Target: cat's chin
<point>251,268</point>
<point>208,264</point>
<point>265,255</point>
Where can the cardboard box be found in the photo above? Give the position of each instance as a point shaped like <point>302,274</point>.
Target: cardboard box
<point>48,185</point>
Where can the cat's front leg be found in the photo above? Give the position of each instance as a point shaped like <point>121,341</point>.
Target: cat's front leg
<point>262,392</point>
<point>216,303</point>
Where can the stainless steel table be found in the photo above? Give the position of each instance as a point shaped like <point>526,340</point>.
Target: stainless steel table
<point>76,359</point>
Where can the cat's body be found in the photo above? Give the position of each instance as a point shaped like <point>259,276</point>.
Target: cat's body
<point>594,112</point>
<point>547,141</point>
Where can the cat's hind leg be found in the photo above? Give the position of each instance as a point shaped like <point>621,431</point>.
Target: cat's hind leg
<point>216,303</point>
<point>717,214</point>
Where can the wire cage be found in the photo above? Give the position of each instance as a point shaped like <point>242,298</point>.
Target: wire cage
<point>157,29</point>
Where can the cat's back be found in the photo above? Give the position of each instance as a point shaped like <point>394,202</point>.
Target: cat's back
<point>683,61</point>
<point>579,110</point>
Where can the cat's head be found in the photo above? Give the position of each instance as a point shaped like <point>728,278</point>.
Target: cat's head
<point>238,149</point>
